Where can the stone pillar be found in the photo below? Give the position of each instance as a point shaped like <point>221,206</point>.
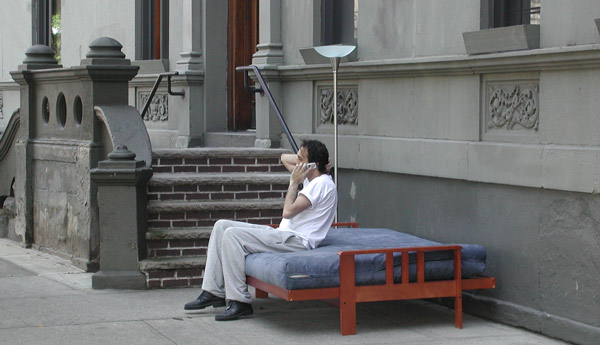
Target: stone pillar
<point>121,182</point>
<point>268,56</point>
<point>36,57</point>
<point>191,55</point>
<point>188,109</point>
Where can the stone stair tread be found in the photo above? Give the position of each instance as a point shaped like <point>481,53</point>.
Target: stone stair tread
<point>179,233</point>
<point>172,263</point>
<point>158,206</point>
<point>218,152</point>
<point>169,179</point>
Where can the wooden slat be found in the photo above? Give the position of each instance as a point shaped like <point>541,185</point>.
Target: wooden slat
<point>405,267</point>
<point>479,283</point>
<point>420,267</point>
<point>389,268</point>
<point>371,293</point>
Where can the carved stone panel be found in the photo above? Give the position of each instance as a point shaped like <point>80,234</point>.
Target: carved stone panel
<point>511,110</point>
<point>347,105</point>
<point>159,107</point>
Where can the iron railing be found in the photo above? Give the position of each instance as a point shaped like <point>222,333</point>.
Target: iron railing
<point>264,89</point>
<point>169,75</point>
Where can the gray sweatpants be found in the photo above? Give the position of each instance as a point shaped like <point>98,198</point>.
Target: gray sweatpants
<point>230,242</point>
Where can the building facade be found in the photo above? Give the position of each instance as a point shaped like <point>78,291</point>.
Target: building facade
<point>472,121</point>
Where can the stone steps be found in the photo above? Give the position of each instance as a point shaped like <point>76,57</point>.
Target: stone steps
<point>198,214</point>
<point>212,186</point>
<point>173,272</point>
<point>193,188</point>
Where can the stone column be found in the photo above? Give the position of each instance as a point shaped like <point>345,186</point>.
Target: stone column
<point>121,182</point>
<point>37,57</point>
<point>188,109</point>
<point>268,56</point>
<point>191,55</point>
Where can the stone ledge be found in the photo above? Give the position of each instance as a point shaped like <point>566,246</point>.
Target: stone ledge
<point>555,58</point>
<point>179,234</point>
<point>161,206</point>
<point>171,179</point>
<point>207,152</point>
<point>172,263</point>
<point>559,167</point>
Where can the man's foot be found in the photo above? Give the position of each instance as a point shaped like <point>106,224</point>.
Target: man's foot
<point>205,299</point>
<point>234,311</point>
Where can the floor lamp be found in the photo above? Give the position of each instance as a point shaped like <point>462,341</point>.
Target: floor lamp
<point>335,53</point>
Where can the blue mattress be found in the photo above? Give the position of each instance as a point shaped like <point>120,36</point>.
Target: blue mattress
<point>319,268</point>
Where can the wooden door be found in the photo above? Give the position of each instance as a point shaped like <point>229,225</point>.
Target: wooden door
<point>242,38</point>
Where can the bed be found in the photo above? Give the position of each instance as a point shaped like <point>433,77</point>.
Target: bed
<point>354,265</point>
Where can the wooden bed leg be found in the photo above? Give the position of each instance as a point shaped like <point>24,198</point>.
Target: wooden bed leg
<point>261,294</point>
<point>347,295</point>
<point>458,311</point>
<point>348,317</point>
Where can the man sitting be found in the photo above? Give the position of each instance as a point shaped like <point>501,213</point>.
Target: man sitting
<point>307,216</point>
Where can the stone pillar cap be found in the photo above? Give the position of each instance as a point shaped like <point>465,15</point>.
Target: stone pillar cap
<point>39,56</point>
<point>121,153</point>
<point>105,51</point>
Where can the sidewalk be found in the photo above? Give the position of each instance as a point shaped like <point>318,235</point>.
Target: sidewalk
<point>45,300</point>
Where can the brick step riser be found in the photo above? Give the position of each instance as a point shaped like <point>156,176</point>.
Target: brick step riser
<point>216,165</point>
<point>191,192</point>
<point>174,278</point>
<point>176,248</point>
<point>194,219</point>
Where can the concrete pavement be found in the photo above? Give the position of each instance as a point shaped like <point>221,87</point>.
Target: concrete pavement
<point>46,300</point>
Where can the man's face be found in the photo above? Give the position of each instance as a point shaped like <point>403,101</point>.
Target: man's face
<point>302,155</point>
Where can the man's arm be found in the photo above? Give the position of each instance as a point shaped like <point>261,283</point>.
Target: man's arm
<point>295,203</point>
<point>289,160</point>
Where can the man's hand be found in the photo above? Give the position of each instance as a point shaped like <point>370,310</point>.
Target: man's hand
<point>299,173</point>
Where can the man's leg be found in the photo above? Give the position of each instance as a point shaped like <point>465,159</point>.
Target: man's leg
<point>213,283</point>
<point>238,242</point>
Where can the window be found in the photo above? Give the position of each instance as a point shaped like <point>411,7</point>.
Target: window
<point>339,21</point>
<point>47,24</point>
<point>154,29</point>
<point>503,13</point>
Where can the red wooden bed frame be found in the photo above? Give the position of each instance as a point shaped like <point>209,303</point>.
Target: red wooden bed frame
<point>348,294</point>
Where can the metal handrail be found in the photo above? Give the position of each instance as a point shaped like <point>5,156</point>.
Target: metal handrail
<point>265,89</point>
<point>157,84</point>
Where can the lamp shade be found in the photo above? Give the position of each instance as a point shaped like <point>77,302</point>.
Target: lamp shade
<point>334,51</point>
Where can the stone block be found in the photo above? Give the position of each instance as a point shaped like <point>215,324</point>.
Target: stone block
<point>517,37</point>
<point>567,168</point>
<point>512,164</point>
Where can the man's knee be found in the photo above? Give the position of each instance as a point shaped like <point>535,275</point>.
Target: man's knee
<point>233,235</point>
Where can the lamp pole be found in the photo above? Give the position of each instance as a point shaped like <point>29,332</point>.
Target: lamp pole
<point>335,53</point>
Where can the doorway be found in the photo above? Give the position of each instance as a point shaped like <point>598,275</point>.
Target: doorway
<point>242,38</point>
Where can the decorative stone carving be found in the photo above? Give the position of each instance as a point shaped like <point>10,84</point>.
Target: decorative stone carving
<point>510,105</point>
<point>347,106</point>
<point>159,108</point>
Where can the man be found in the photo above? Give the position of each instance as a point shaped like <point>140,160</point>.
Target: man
<point>307,216</point>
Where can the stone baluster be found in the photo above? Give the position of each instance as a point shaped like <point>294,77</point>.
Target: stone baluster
<point>121,182</point>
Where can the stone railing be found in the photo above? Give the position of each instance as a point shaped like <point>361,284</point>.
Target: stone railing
<point>71,118</point>
<point>7,154</point>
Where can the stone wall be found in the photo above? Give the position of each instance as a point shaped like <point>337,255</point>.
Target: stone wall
<point>498,149</point>
<point>542,245</point>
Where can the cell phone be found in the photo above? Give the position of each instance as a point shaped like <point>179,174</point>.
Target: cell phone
<point>310,166</point>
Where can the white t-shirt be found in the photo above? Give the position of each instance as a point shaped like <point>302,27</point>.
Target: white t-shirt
<point>313,223</point>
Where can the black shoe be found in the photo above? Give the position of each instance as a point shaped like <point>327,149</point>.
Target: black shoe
<point>205,299</point>
<point>234,311</point>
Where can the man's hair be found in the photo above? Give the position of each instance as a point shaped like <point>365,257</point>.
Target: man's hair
<point>317,152</point>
